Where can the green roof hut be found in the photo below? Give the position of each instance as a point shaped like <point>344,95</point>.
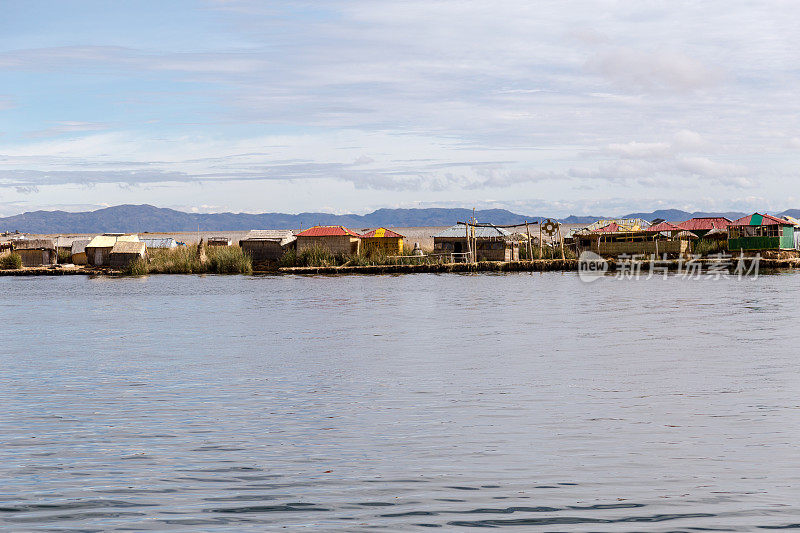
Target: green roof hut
<point>760,232</point>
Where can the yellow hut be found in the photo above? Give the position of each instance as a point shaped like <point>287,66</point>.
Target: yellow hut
<point>383,241</point>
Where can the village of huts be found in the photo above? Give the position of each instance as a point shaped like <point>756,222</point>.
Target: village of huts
<point>463,242</point>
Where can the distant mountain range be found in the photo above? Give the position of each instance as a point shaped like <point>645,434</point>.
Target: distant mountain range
<point>144,218</point>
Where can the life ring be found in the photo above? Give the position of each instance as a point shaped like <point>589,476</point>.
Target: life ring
<point>549,227</point>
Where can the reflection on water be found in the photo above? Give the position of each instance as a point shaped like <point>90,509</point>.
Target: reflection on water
<point>398,402</point>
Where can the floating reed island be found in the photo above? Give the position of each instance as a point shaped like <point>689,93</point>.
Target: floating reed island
<point>465,247</point>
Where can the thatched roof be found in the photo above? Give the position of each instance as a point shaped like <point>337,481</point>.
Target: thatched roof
<point>107,241</point>
<point>125,247</point>
<point>34,244</point>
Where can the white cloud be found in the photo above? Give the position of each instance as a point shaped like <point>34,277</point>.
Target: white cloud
<point>448,100</point>
<point>687,140</point>
<point>640,149</point>
<point>703,166</point>
<point>653,71</point>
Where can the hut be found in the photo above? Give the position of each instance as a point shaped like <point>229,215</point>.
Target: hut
<point>491,243</point>
<point>36,252</point>
<point>99,248</point>
<point>335,239</point>
<point>63,245</point>
<point>124,253</point>
<point>619,224</point>
<point>664,228</point>
<point>78,251</point>
<point>163,243</point>
<point>761,232</point>
<point>716,235</point>
<point>701,226</point>
<point>6,248</point>
<point>382,240</point>
<point>267,244</point>
<point>219,241</point>
<point>614,240</point>
<point>796,224</point>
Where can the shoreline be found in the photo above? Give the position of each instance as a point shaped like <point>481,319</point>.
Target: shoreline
<point>538,265</point>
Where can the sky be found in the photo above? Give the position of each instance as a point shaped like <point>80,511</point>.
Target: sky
<point>544,108</point>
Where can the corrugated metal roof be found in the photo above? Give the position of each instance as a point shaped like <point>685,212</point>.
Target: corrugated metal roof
<point>481,232</point>
<point>757,219</point>
<point>127,247</point>
<point>268,234</point>
<point>664,226</point>
<point>284,236</point>
<point>610,228</point>
<point>107,241</point>
<point>165,242</point>
<point>327,231</point>
<point>34,244</point>
<point>705,223</point>
<point>382,232</point>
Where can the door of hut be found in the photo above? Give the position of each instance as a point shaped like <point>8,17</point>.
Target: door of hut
<point>457,248</point>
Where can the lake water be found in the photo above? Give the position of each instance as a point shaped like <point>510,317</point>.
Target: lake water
<point>363,403</point>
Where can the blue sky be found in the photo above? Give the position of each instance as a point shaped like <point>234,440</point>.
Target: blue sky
<point>545,108</point>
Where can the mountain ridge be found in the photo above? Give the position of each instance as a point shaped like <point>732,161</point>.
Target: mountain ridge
<point>147,218</point>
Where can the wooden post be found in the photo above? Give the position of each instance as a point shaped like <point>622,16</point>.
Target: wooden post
<point>529,247</point>
<point>474,258</point>
<point>540,239</point>
<point>466,234</point>
<point>474,239</point>
<point>561,236</point>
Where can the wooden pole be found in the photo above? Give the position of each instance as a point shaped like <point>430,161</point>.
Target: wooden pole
<point>474,243</point>
<point>540,238</point>
<point>561,236</point>
<point>474,240</point>
<point>529,248</point>
<point>469,242</point>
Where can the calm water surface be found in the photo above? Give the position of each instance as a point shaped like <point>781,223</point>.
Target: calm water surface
<point>524,401</point>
